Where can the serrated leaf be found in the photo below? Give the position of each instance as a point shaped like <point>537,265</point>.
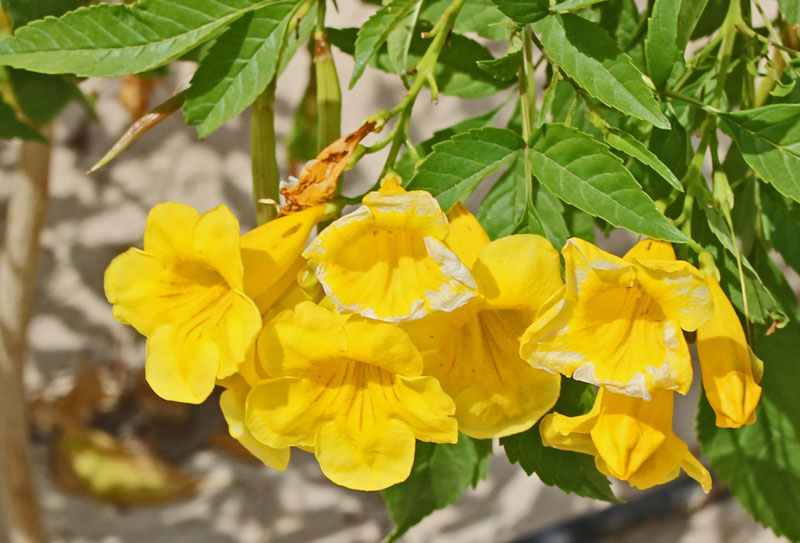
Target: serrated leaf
<point>583,172</point>
<point>376,30</point>
<point>479,16</point>
<point>769,139</point>
<point>238,67</point>
<point>569,471</point>
<point>106,40</point>
<point>440,474</point>
<point>456,72</point>
<point>551,216</point>
<point>22,12</point>
<point>12,127</point>
<point>587,54</point>
<point>523,11</point>
<point>504,68</point>
<point>455,167</point>
<point>688,17</point>
<point>624,142</point>
<point>761,461</point>
<point>790,9</point>
<point>660,46</point>
<point>405,164</point>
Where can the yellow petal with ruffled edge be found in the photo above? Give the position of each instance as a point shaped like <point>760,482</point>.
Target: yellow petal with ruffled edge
<point>184,292</point>
<point>609,328</point>
<point>630,438</point>
<point>386,260</point>
<point>360,416</point>
<point>232,404</point>
<point>726,366</point>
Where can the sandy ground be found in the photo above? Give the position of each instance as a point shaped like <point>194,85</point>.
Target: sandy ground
<point>93,218</point>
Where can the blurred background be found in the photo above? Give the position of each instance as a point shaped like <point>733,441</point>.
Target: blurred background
<point>94,421</point>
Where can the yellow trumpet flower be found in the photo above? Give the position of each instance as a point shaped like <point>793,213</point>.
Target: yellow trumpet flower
<point>387,260</point>
<point>352,391</point>
<point>618,323</point>
<point>474,354</point>
<point>630,438</point>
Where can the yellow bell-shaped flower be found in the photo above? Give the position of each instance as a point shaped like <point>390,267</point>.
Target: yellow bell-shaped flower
<point>630,438</point>
<point>387,260</point>
<point>352,391</point>
<point>729,377</point>
<point>184,291</point>
<point>618,323</point>
<point>474,353</point>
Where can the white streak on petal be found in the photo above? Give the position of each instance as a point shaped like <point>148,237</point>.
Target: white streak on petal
<point>636,387</point>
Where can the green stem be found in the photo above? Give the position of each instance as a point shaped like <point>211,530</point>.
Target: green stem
<point>329,95</point>
<point>733,18</point>
<point>266,176</point>
<point>527,85</point>
<point>689,100</point>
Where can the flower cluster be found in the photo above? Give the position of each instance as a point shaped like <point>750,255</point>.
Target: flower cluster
<point>399,323</point>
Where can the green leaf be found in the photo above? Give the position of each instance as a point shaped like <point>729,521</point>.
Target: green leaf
<point>456,72</point>
<point>660,47</point>
<point>624,142</point>
<point>12,127</point>
<point>405,164</point>
<point>761,461</point>
<point>238,67</point>
<point>504,68</point>
<point>551,215</point>
<point>790,9</point>
<point>376,30</point>
<point>22,12</point>
<point>587,54</point>
<point>503,208</point>
<point>688,17</point>
<point>106,40</point>
<point>456,166</point>
<point>440,474</point>
<point>569,471</point>
<point>523,11</point>
<point>399,41</point>
<point>781,223</point>
<point>583,172</point>
<point>40,96</point>
<point>479,16</point>
<point>574,5</point>
<point>769,139</point>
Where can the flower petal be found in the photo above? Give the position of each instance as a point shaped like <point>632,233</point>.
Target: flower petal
<point>232,404</point>
<point>651,249</point>
<point>727,371</point>
<point>679,289</point>
<point>384,345</point>
<point>467,237</point>
<point>518,272</point>
<point>426,409</point>
<point>178,369</point>
<point>169,231</point>
<point>271,250</point>
<point>216,239</point>
<point>133,282</point>
<point>297,339</point>
<point>373,458</point>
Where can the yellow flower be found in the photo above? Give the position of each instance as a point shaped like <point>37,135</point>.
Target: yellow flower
<point>474,354</point>
<point>618,323</point>
<point>630,438</point>
<point>350,389</point>
<point>184,291</point>
<point>386,260</point>
<point>729,379</point>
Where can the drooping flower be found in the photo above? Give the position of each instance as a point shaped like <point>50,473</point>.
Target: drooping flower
<point>729,377</point>
<point>630,438</point>
<point>474,354</point>
<point>618,323</point>
<point>184,291</point>
<point>387,260</point>
<point>352,391</point>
